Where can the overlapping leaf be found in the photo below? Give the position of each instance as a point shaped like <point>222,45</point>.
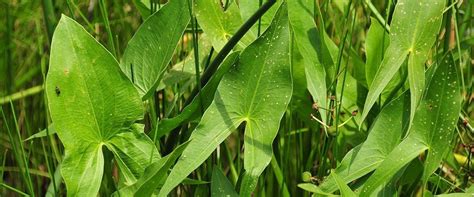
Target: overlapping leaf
<point>316,57</point>
<point>93,104</point>
<point>413,31</point>
<point>154,176</point>
<point>192,111</point>
<point>376,45</point>
<point>249,7</point>
<point>432,128</point>
<point>385,135</point>
<point>220,24</point>
<point>150,50</point>
<point>220,185</point>
<point>256,91</point>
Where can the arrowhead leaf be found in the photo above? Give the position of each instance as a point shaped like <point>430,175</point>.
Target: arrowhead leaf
<point>413,31</point>
<point>257,90</point>
<point>92,104</point>
<point>432,128</point>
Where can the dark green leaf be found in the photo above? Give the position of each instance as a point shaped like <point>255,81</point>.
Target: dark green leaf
<point>220,185</point>
<point>96,106</point>
<point>432,128</point>
<point>220,25</point>
<point>150,50</point>
<point>413,32</point>
<point>257,90</point>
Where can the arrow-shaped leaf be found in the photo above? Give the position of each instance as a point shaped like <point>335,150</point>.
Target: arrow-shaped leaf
<point>413,31</point>
<point>257,90</point>
<point>93,104</point>
<point>432,128</point>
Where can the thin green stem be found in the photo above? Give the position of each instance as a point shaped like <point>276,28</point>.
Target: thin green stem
<point>105,19</point>
<point>377,14</point>
<point>49,17</point>
<point>13,189</point>
<point>22,94</point>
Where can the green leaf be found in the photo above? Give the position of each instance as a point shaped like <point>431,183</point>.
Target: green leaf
<point>313,189</point>
<point>432,128</point>
<point>313,49</point>
<point>43,133</point>
<point>143,6</point>
<point>92,103</point>
<point>343,188</point>
<point>185,70</point>
<point>375,46</point>
<point>154,176</point>
<point>384,135</point>
<point>220,25</point>
<point>220,185</point>
<point>150,50</point>
<point>249,7</point>
<point>132,153</point>
<point>414,28</point>
<point>192,111</point>
<point>82,169</point>
<point>257,90</point>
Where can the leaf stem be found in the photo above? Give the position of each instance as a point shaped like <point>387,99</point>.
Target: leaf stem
<point>21,94</point>
<point>378,16</point>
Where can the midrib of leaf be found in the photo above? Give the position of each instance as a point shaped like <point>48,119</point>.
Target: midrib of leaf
<point>252,141</point>
<point>421,137</point>
<point>216,15</point>
<point>415,33</point>
<point>406,49</point>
